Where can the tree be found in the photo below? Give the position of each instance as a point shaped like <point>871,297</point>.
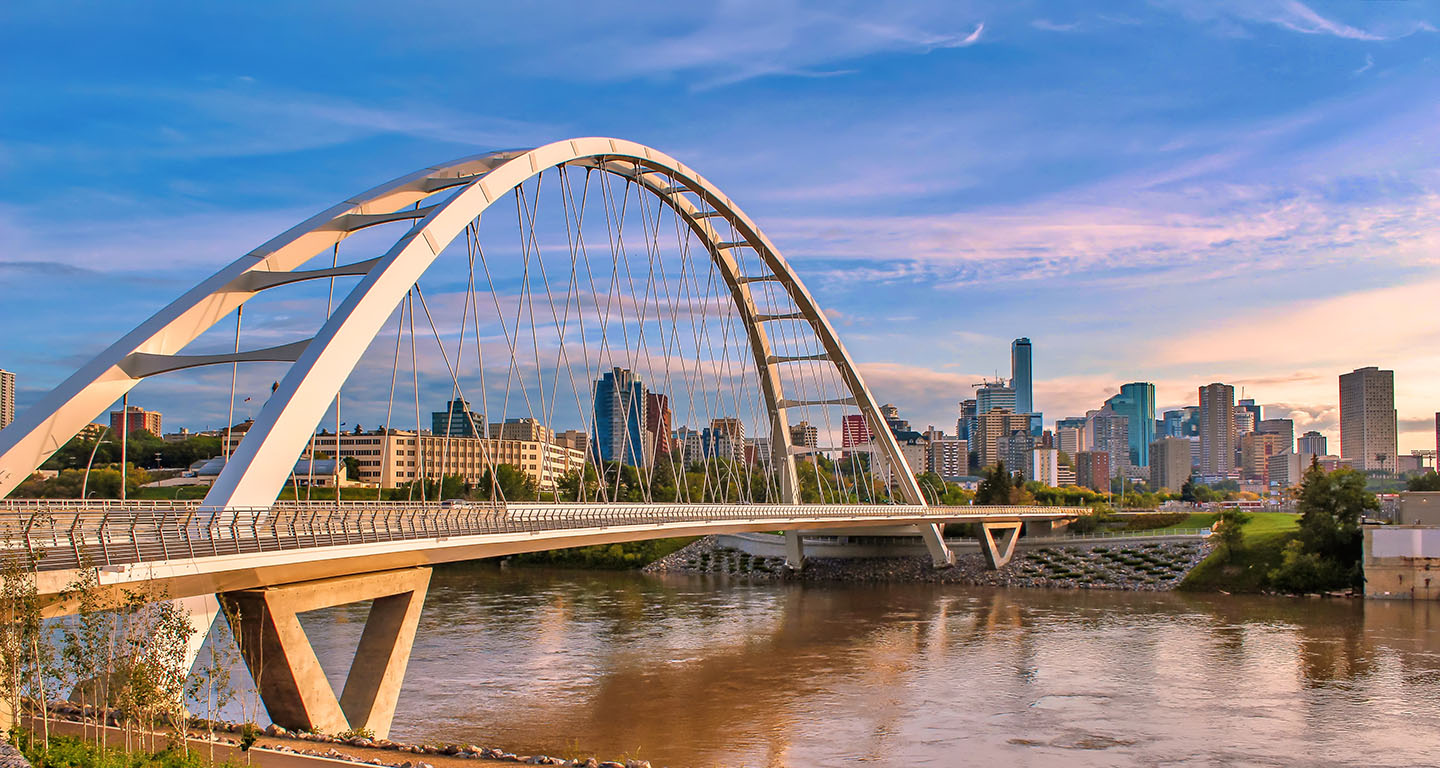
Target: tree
<point>1230,530</point>
<point>1187,490</point>
<point>1426,482</point>
<point>996,487</point>
<point>1331,506</point>
<point>513,484</point>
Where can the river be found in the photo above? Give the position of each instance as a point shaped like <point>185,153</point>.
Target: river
<point>691,671</point>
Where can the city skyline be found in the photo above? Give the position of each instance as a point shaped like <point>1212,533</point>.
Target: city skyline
<point>1292,181</point>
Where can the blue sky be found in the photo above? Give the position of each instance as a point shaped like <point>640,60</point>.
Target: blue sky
<point>1176,192</point>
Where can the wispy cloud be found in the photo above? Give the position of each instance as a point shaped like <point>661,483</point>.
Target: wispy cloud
<point>1068,240</point>
<point>249,118</point>
<point>1233,16</point>
<point>1053,26</point>
<point>729,43</point>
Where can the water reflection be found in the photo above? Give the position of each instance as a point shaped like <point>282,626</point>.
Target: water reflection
<point>687,671</point>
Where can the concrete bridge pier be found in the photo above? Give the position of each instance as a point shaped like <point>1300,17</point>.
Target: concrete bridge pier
<point>998,551</point>
<point>283,663</point>
<point>934,536</point>
<point>794,551</point>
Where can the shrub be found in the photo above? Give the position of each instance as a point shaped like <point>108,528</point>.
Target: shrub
<point>1152,521</point>
<point>1302,571</point>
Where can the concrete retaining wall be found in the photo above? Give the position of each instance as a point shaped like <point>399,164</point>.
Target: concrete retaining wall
<point>771,545</point>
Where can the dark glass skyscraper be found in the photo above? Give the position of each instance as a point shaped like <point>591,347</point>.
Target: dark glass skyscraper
<point>1021,377</point>
<point>457,420</point>
<point>1136,401</point>
<point>620,415</point>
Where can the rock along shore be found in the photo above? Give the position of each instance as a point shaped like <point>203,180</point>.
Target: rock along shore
<point>1125,565</point>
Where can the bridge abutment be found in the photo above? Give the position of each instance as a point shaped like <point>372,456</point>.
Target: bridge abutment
<point>287,673</point>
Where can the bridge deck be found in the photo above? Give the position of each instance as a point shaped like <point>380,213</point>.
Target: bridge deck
<point>190,549</point>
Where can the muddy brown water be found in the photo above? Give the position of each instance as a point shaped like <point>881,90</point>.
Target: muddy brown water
<point>695,671</point>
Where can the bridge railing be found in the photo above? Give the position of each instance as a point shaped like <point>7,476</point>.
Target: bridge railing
<point>58,535</point>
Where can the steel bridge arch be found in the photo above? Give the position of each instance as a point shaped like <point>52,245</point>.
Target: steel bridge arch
<point>259,466</point>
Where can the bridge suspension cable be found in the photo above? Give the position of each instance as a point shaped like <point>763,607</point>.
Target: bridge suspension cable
<point>642,341</point>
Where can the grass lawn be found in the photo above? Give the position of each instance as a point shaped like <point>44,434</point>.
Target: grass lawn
<point>1248,571</point>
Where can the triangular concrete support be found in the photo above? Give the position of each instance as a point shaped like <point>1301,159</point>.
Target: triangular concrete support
<point>997,554</point>
<point>287,673</point>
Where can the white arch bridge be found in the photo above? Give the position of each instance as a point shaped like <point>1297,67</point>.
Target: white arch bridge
<point>661,303</point>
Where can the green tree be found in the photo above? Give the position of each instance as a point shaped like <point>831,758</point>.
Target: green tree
<point>1331,506</point>
<point>996,487</point>
<point>1426,482</point>
<point>1230,531</point>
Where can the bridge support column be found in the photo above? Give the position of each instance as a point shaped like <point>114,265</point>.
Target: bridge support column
<point>794,551</point>
<point>288,675</point>
<point>998,552</point>
<point>934,536</point>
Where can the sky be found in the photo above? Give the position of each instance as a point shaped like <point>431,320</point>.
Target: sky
<point>1167,191</point>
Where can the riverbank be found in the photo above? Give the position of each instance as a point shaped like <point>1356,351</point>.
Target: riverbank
<point>276,747</point>
<point>1132,566</point>
<point>1248,569</point>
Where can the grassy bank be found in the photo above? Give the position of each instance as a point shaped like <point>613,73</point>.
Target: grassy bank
<point>70,752</point>
<point>1248,569</point>
<point>610,557</point>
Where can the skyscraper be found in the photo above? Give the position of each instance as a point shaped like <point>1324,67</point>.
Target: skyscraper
<point>135,419</point>
<point>1183,422</point>
<point>457,420</point>
<point>805,435</point>
<point>657,424</point>
<point>992,426</point>
<point>1367,419</point>
<point>1136,402</point>
<point>891,414</point>
<point>1109,432</point>
<point>854,431</point>
<point>994,394</point>
<point>1092,470</point>
<point>1256,448</point>
<point>1021,376</point>
<point>7,398</point>
<point>1285,428</point>
<point>1217,430</point>
<point>1169,463</point>
<point>620,418</point>
<point>1248,404</point>
<point>965,425</point>
<point>1314,443</point>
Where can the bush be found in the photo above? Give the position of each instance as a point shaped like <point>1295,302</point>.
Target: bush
<point>1302,571</point>
<point>70,752</point>
<point>1150,522</point>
